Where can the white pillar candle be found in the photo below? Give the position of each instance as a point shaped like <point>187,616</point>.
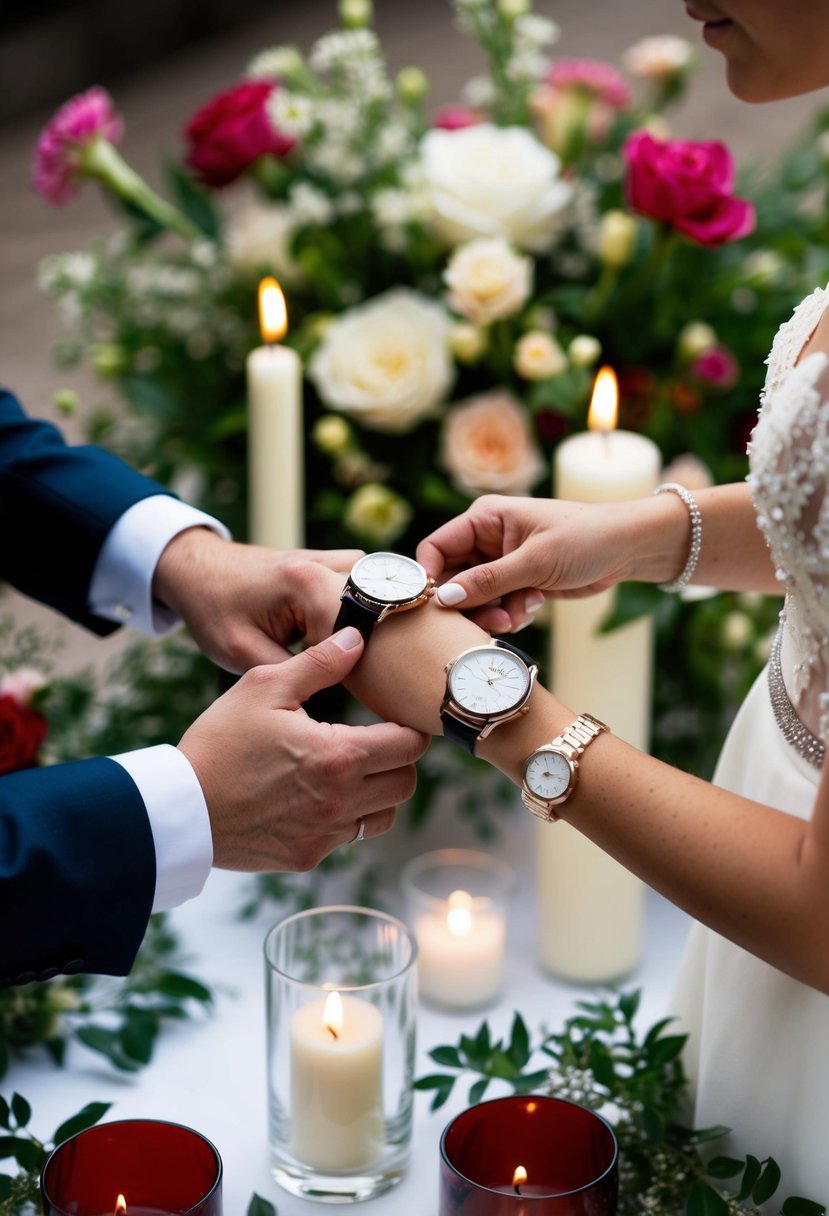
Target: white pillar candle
<point>336,1083</point>
<point>590,907</point>
<point>276,489</point>
<point>460,952</point>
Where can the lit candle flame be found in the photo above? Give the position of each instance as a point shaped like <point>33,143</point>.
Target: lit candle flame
<point>459,918</point>
<point>332,1014</point>
<point>120,1206</point>
<point>604,404</point>
<point>273,315</point>
<point>519,1177</point>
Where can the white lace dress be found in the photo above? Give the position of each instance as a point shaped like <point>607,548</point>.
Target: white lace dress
<point>759,1047</point>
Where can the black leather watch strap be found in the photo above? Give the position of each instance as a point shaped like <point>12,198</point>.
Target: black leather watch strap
<point>352,612</point>
<point>460,732</point>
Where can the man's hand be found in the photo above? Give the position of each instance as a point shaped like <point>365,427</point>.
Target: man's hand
<point>282,790</point>
<point>243,604</point>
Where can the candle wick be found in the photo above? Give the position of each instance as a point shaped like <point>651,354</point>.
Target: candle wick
<point>333,1032</point>
<point>517,1188</point>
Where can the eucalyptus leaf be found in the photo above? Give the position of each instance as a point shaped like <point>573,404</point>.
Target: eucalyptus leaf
<point>703,1200</point>
<point>21,1110</point>
<point>91,1114</point>
<point>260,1207</point>
<point>767,1183</point>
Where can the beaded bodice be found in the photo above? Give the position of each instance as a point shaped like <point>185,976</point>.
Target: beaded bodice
<point>789,463</point>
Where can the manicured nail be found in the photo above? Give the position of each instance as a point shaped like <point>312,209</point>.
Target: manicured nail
<point>347,638</point>
<point>533,601</point>
<point>450,594</point>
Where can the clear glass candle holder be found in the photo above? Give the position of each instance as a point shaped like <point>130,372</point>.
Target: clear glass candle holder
<point>456,905</point>
<point>156,1168</point>
<point>341,1003</point>
<point>528,1156</point>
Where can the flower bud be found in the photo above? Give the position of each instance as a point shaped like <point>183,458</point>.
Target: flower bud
<point>737,630</point>
<point>584,350</point>
<point>356,14</point>
<point>332,435</point>
<point>66,400</point>
<point>537,356</point>
<point>467,342</point>
<point>617,238</point>
<point>412,85</point>
<point>695,339</point>
<point>108,359</point>
<point>376,514</point>
<point>510,10</point>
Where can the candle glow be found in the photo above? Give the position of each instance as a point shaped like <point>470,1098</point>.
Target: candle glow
<point>273,314</point>
<point>120,1206</point>
<point>519,1177</point>
<point>459,919</point>
<point>332,1017</point>
<point>604,403</point>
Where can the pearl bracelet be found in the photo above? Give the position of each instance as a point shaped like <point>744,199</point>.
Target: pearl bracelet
<point>682,581</point>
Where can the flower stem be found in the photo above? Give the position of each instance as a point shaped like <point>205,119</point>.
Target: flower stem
<point>101,160</point>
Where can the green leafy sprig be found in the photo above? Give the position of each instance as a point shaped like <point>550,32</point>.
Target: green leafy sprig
<point>120,1019</point>
<point>20,1192</point>
<point>638,1082</point>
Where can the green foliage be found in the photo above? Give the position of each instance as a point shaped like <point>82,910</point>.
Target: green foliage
<point>637,1081</point>
<point>119,1019</point>
<point>20,1192</point>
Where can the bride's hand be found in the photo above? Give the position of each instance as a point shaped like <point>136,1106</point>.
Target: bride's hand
<point>500,558</point>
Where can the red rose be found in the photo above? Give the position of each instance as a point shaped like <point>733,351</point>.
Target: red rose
<point>22,730</point>
<point>687,185</point>
<point>232,131</point>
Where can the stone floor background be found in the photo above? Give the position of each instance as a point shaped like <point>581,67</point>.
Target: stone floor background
<point>157,99</point>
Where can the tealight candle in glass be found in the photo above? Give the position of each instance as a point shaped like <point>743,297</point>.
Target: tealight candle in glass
<point>528,1156</point>
<point>456,904</point>
<point>341,1000</point>
<point>133,1167</point>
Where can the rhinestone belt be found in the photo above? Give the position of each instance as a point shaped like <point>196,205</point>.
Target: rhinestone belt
<point>792,729</point>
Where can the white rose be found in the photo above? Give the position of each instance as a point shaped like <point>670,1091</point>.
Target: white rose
<point>487,446</point>
<point>486,181</point>
<point>487,280</point>
<point>258,239</point>
<point>385,363</point>
<point>537,356</point>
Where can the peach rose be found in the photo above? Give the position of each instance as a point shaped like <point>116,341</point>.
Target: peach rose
<point>487,446</point>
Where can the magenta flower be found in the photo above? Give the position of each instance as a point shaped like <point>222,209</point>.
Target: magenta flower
<point>60,150</point>
<point>591,76</point>
<point>717,368</point>
<point>456,118</point>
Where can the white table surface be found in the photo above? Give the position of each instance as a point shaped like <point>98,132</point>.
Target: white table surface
<point>210,1074</point>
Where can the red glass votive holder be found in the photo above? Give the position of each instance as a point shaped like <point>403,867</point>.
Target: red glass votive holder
<point>157,1167</point>
<point>528,1156</point>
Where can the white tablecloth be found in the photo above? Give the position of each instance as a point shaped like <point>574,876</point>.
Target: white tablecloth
<point>210,1074</point>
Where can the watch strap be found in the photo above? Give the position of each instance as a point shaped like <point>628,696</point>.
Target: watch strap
<point>581,732</point>
<point>352,612</point>
<point>464,733</point>
<point>572,741</point>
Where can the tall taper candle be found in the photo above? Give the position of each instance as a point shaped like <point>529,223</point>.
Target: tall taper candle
<point>276,489</point>
<point>590,907</point>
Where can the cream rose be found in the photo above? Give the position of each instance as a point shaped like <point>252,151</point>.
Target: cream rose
<point>487,280</point>
<point>538,356</point>
<point>258,238</point>
<point>487,446</point>
<point>385,363</point>
<point>488,181</point>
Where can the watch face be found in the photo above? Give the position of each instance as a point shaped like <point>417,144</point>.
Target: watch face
<point>389,577</point>
<point>548,774</point>
<point>488,681</point>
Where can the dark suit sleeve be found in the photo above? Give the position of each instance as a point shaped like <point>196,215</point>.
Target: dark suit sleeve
<point>77,871</point>
<point>57,504</point>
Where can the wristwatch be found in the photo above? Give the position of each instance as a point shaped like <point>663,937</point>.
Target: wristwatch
<point>379,584</point>
<point>551,772</point>
<point>485,686</point>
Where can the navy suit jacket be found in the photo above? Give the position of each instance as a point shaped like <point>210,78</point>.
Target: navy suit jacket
<point>77,861</point>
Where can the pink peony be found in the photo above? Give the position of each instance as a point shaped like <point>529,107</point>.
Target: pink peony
<point>688,186</point>
<point>455,118</point>
<point>81,121</point>
<point>591,76</point>
<point>231,131</point>
<point>717,368</point>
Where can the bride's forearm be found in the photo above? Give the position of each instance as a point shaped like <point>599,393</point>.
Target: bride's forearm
<point>752,873</point>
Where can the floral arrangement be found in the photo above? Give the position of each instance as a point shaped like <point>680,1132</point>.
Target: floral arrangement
<point>636,1080</point>
<point>453,280</point>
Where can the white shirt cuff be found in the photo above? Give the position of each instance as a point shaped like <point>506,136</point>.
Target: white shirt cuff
<point>121,586</point>
<point>178,818</point>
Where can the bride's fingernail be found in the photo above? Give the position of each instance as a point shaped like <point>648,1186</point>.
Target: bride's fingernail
<point>450,594</point>
<point>533,601</point>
